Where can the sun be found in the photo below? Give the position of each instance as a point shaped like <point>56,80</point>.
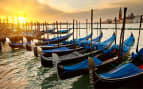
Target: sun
<point>21,20</point>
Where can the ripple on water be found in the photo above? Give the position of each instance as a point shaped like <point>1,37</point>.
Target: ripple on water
<point>11,66</point>
<point>53,83</point>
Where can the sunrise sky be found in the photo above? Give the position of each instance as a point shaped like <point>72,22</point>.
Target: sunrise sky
<point>67,9</point>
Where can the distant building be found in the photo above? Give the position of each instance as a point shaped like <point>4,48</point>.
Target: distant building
<point>131,18</point>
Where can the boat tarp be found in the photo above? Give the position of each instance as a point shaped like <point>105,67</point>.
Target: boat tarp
<point>122,71</point>
<point>56,50</point>
<point>87,42</point>
<point>81,65</point>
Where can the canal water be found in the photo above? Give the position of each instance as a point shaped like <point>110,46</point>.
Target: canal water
<point>19,69</point>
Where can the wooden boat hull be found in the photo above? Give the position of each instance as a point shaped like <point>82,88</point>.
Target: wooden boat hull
<point>54,41</point>
<point>60,53</point>
<point>27,47</point>
<point>53,47</point>
<point>16,46</point>
<point>134,81</point>
<point>72,74</point>
<point>20,37</point>
<point>47,48</point>
<point>46,62</point>
<point>60,32</point>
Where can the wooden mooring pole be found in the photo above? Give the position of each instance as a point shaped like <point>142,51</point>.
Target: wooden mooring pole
<point>91,28</point>
<point>86,27</point>
<point>137,48</point>
<point>73,35</point>
<point>116,30</point>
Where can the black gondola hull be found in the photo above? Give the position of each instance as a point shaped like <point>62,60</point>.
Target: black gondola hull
<point>79,72</point>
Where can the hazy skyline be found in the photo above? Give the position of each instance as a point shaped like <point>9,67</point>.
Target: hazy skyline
<point>67,9</point>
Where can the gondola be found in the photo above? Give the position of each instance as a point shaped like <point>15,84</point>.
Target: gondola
<point>18,44</point>
<point>17,38</point>
<point>88,42</point>
<point>62,31</point>
<point>21,45</point>
<point>127,75</point>
<point>47,31</point>
<point>82,67</point>
<point>80,41</point>
<point>54,40</point>
<point>28,44</point>
<point>64,43</point>
<point>77,56</point>
<point>66,50</point>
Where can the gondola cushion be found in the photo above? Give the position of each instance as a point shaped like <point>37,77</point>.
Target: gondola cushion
<point>50,45</point>
<point>56,50</point>
<point>82,65</point>
<point>122,71</point>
